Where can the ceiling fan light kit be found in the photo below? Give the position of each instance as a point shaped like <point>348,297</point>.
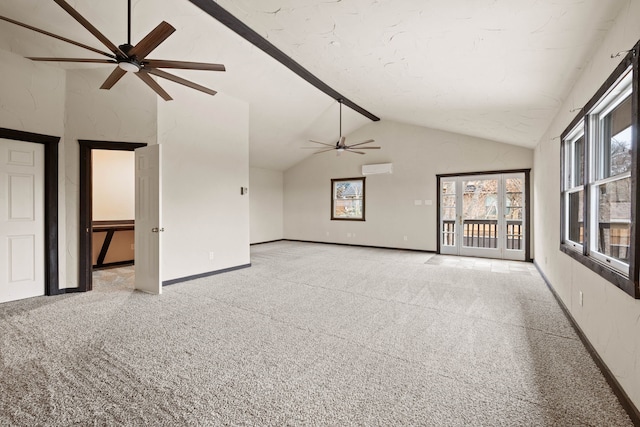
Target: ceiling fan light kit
<point>132,66</point>
<point>341,145</point>
<point>127,57</point>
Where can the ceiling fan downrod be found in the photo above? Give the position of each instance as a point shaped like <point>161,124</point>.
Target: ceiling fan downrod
<point>340,125</point>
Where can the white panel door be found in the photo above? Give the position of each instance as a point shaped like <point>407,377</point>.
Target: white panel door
<point>21,220</point>
<point>148,230</point>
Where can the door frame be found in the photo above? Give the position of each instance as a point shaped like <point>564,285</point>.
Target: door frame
<point>527,201</point>
<point>85,263</point>
<point>51,232</point>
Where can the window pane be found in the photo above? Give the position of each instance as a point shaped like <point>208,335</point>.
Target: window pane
<point>448,201</point>
<point>480,213</point>
<point>614,218</point>
<point>573,162</point>
<point>513,198</point>
<point>615,144</point>
<point>348,190</point>
<point>345,208</point>
<point>480,199</point>
<point>568,165</point>
<point>575,209</point>
<point>578,162</point>
<point>513,211</point>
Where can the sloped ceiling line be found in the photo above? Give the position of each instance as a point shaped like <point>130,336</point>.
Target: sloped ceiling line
<point>224,17</point>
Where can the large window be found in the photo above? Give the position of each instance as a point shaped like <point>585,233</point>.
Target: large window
<point>599,166</point>
<point>347,199</point>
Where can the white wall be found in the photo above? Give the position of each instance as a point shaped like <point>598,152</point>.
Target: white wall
<point>610,318</point>
<point>126,113</point>
<point>113,174</point>
<point>417,154</point>
<point>31,99</point>
<point>266,200</point>
<point>205,143</point>
<point>205,150</point>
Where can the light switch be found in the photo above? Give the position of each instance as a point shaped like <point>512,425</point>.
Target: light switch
<point>417,202</point>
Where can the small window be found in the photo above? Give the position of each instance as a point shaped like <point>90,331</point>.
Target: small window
<point>347,199</point>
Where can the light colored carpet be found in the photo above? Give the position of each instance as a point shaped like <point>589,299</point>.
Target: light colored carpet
<point>312,334</point>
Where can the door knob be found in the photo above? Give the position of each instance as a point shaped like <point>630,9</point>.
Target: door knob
<point>156,229</point>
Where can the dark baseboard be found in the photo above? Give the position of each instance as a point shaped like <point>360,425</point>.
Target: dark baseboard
<point>268,241</point>
<point>114,265</point>
<point>201,275</point>
<point>617,389</point>
<point>67,291</point>
<point>361,246</point>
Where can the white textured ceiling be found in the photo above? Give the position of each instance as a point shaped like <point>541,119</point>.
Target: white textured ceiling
<point>496,69</point>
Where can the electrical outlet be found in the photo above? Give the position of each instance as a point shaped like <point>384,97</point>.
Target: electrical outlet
<point>211,256</point>
<point>405,238</point>
<point>327,234</point>
<point>581,299</point>
<point>348,234</point>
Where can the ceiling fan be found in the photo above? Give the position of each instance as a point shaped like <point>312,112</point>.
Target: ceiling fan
<point>341,146</point>
<point>127,57</point>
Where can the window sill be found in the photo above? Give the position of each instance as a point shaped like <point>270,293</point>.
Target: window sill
<point>603,270</point>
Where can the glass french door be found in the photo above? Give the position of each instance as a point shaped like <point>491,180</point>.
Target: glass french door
<point>483,216</point>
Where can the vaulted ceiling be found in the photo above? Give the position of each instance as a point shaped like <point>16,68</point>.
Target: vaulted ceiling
<point>496,69</point>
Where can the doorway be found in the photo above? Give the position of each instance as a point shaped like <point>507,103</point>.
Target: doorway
<point>113,208</point>
<point>86,231</point>
<point>484,215</point>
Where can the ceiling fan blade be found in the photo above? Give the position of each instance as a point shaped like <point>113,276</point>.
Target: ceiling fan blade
<point>364,148</point>
<point>93,30</point>
<point>179,80</point>
<point>323,143</point>
<point>185,65</point>
<point>152,40</point>
<point>55,36</point>
<point>96,61</point>
<point>364,142</point>
<point>113,78</point>
<point>353,151</point>
<point>154,85</point>
<point>324,151</point>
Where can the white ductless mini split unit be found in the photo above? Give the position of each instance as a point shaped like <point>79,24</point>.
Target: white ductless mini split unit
<point>377,169</point>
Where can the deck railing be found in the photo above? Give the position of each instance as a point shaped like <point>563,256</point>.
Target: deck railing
<point>483,233</point>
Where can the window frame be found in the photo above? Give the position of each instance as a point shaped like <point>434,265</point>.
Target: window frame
<point>604,101</point>
<point>334,181</point>
<point>569,188</point>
